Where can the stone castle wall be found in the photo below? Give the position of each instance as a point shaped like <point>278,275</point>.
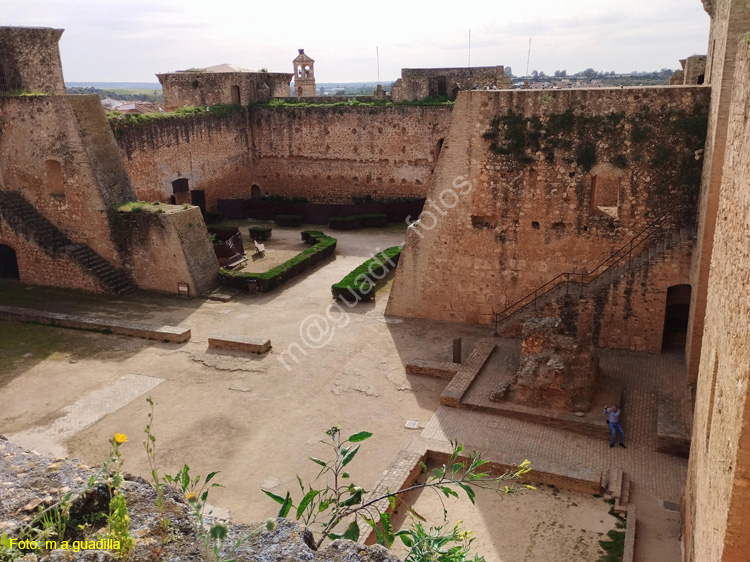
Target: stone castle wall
<point>717,509</point>
<point>551,190</point>
<point>420,83</point>
<point>30,60</point>
<point>183,89</point>
<point>212,153</point>
<point>71,132</point>
<point>326,154</point>
<point>329,154</point>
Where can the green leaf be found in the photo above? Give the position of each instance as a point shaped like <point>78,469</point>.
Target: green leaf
<point>448,491</point>
<point>392,501</point>
<point>274,497</point>
<point>185,477</point>
<point>318,461</point>
<point>349,455</point>
<point>405,538</point>
<point>439,472</point>
<point>378,533</point>
<point>210,476</point>
<point>458,466</point>
<point>423,466</point>
<point>469,492</point>
<point>323,506</point>
<point>352,532</point>
<point>361,436</point>
<point>353,500</point>
<point>286,506</point>
<point>306,501</point>
<point>385,520</point>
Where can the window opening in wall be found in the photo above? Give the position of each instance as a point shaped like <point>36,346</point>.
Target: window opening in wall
<point>236,95</point>
<point>676,314</point>
<point>53,170</point>
<point>535,225</point>
<point>605,193</point>
<point>180,185</point>
<point>701,78</point>
<point>8,263</point>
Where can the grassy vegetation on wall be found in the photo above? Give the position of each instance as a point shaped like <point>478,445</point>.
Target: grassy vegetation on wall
<point>120,122</point>
<point>358,221</point>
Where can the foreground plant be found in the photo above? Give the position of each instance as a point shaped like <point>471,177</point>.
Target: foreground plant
<point>341,500</point>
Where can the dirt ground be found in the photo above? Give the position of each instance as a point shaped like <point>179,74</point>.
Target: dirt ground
<point>545,524</point>
<point>257,419</point>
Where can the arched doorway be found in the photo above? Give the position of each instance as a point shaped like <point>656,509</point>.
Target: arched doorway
<point>255,192</point>
<point>676,315</point>
<point>8,263</point>
<point>236,95</point>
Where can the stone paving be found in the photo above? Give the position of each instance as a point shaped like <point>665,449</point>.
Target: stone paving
<point>643,377</point>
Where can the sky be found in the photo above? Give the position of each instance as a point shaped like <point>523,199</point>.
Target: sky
<point>131,40</point>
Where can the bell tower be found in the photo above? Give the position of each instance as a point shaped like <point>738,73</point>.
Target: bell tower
<point>304,75</point>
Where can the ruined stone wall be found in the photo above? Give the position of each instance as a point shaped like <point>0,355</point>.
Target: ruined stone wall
<point>30,60</point>
<point>329,154</point>
<point>420,83</point>
<point>533,184</point>
<point>730,20</point>
<point>695,69</point>
<point>70,134</point>
<point>183,89</point>
<point>717,509</point>
<point>212,153</point>
<point>151,241</point>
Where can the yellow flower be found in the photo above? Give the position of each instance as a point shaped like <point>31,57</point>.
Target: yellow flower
<point>524,463</point>
<point>120,438</point>
<point>530,487</point>
<point>189,496</point>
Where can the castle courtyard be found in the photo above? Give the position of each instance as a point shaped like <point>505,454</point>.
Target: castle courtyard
<point>257,421</point>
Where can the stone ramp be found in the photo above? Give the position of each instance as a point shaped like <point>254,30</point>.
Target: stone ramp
<point>466,373</point>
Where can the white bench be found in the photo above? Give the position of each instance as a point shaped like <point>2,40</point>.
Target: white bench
<point>259,248</point>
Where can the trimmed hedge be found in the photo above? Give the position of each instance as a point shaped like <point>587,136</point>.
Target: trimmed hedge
<point>288,220</point>
<point>363,280</point>
<point>358,221</point>
<point>259,233</point>
<point>323,247</point>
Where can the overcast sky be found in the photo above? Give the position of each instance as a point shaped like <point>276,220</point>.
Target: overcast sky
<point>131,40</point>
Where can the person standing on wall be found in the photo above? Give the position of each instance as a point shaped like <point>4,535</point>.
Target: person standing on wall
<point>613,419</point>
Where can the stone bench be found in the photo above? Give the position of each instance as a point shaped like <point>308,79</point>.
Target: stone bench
<point>440,369</point>
<point>172,334</point>
<point>251,344</point>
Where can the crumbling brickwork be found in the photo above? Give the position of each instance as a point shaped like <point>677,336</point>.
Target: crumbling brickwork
<point>545,202</point>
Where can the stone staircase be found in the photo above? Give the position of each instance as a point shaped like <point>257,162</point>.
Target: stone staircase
<point>21,216</point>
<point>657,244</point>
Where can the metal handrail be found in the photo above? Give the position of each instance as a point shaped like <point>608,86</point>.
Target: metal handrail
<point>646,234</point>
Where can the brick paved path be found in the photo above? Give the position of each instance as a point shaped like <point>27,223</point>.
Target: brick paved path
<point>642,375</point>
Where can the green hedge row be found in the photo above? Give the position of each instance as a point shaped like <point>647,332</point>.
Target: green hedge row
<point>288,220</point>
<point>260,233</point>
<point>322,247</point>
<point>358,221</point>
<point>363,280</point>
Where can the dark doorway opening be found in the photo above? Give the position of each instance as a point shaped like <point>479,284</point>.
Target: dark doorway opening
<point>676,316</point>
<point>442,90</point>
<point>236,95</point>
<point>180,185</point>
<point>255,192</point>
<point>8,263</point>
<point>701,78</point>
<point>198,198</point>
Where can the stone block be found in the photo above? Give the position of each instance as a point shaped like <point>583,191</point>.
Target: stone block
<point>249,344</point>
